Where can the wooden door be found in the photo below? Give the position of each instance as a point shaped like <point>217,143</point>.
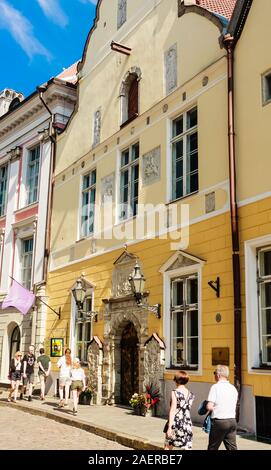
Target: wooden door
<point>129,363</point>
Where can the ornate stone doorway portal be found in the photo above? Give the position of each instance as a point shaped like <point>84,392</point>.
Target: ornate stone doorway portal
<point>129,383</point>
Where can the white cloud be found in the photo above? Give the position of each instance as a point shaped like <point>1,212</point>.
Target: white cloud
<point>54,12</point>
<point>21,30</point>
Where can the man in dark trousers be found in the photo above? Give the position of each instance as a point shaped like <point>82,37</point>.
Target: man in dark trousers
<point>222,401</point>
<point>44,363</point>
<point>28,371</point>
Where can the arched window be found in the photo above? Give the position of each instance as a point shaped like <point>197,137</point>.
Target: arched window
<point>15,341</point>
<point>133,97</point>
<point>129,95</point>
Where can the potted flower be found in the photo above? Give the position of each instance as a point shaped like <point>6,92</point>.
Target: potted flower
<point>137,402</point>
<point>86,396</point>
<point>152,398</point>
<point>144,404</point>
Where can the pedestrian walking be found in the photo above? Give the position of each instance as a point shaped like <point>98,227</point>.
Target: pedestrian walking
<point>44,363</point>
<point>179,427</point>
<point>28,372</point>
<point>15,372</point>
<point>222,400</point>
<point>64,364</point>
<point>78,384</point>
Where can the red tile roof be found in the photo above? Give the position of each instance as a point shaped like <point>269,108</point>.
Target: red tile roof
<point>222,7</point>
<point>69,74</point>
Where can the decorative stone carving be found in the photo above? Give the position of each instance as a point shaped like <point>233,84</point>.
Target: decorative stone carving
<point>154,361</point>
<point>171,68</point>
<point>154,366</point>
<point>15,153</point>
<point>95,363</point>
<point>181,262</point>
<point>123,268</point>
<point>108,188</point>
<point>210,202</point>
<point>151,166</point>
<point>120,314</point>
<point>97,127</point>
<point>122,12</point>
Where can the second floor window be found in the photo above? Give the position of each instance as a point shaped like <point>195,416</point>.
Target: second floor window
<point>88,203</point>
<point>264,299</point>
<point>129,174</point>
<point>26,262</point>
<point>32,176</point>
<point>184,321</point>
<point>3,189</point>
<point>184,147</point>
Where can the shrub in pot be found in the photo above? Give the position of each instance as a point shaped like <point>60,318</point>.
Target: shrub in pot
<point>85,397</point>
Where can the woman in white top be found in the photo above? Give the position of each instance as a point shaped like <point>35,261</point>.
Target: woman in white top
<point>15,373</point>
<point>65,364</point>
<point>78,383</point>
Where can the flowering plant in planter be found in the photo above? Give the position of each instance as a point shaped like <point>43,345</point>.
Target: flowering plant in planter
<point>86,396</point>
<point>152,396</point>
<point>137,400</point>
<point>145,401</point>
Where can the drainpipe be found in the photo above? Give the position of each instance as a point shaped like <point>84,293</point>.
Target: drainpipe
<point>229,45</point>
<point>41,90</point>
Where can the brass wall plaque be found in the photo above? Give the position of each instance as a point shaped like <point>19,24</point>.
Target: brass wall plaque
<point>221,356</point>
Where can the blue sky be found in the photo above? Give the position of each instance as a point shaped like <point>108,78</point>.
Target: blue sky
<point>39,38</point>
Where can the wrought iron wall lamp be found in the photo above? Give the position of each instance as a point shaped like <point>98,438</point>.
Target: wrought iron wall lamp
<point>137,282</point>
<point>79,294</point>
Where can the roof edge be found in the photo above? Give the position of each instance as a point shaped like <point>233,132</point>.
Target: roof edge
<point>96,19</point>
<point>213,17</point>
<point>239,18</point>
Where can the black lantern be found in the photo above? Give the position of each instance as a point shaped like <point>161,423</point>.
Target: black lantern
<point>137,282</point>
<point>79,294</point>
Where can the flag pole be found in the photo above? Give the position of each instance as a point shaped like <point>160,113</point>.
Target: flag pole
<point>40,299</point>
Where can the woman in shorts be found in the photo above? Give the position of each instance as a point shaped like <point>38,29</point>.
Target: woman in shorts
<point>64,364</point>
<point>78,383</point>
<point>15,373</point>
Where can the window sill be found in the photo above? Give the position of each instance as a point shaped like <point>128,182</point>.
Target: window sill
<point>263,367</point>
<point>182,197</point>
<point>26,207</point>
<point>129,219</point>
<point>83,239</point>
<point>128,121</point>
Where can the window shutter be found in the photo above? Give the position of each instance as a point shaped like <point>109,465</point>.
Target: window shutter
<point>133,99</point>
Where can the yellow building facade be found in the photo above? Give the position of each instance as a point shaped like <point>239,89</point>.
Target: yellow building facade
<point>252,119</point>
<point>148,145</point>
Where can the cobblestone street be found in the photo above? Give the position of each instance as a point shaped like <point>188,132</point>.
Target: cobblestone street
<point>22,431</point>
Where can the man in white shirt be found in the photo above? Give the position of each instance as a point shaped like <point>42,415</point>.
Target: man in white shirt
<point>222,401</point>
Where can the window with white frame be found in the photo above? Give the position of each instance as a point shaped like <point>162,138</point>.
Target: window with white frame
<point>184,321</point>
<point>26,262</point>
<point>83,328</point>
<point>3,189</point>
<point>264,302</point>
<point>88,203</point>
<point>129,174</point>
<point>184,150</point>
<point>266,87</point>
<point>32,175</point>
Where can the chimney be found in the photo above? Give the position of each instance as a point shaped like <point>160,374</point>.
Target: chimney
<point>9,99</point>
